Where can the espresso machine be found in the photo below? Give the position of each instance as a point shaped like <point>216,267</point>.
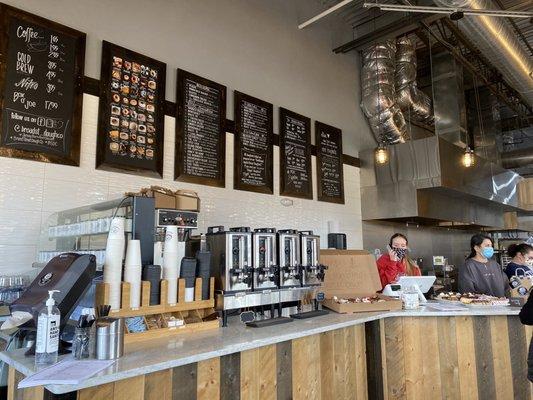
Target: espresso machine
<point>186,221</point>
<point>312,270</point>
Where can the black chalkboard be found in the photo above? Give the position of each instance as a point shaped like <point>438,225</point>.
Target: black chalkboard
<point>131,112</point>
<point>41,73</point>
<point>329,163</point>
<point>295,155</point>
<point>200,135</point>
<point>253,144</point>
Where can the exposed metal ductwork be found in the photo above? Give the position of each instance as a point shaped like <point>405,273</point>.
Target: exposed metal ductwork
<point>496,40</point>
<point>517,158</point>
<point>379,95</point>
<point>408,96</point>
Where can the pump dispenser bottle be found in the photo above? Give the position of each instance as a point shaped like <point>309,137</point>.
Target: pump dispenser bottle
<point>47,343</point>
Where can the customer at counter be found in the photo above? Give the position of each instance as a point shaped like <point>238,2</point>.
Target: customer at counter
<point>480,274</point>
<point>522,260</point>
<point>396,263</point>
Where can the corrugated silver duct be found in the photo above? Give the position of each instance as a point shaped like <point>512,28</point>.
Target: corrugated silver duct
<point>496,40</point>
<point>379,96</point>
<point>408,97</point>
<point>517,158</point>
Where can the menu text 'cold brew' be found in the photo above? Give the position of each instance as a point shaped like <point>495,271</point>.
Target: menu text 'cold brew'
<point>41,88</point>
<point>200,130</point>
<point>329,163</point>
<point>253,144</point>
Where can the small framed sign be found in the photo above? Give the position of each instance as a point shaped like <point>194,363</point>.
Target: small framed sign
<point>41,75</point>
<point>329,166</point>
<point>200,131</point>
<point>253,144</point>
<point>131,112</point>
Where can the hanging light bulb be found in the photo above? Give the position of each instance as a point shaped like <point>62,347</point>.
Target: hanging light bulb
<point>381,154</point>
<point>468,157</point>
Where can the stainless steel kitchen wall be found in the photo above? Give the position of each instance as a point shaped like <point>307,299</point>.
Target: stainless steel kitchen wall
<point>424,241</point>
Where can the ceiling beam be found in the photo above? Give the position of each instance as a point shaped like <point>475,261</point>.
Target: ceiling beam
<point>397,28</point>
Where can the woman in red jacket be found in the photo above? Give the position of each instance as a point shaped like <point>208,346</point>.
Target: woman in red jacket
<point>395,264</point>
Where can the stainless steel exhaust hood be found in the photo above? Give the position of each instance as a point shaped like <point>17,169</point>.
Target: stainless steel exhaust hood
<point>425,182</point>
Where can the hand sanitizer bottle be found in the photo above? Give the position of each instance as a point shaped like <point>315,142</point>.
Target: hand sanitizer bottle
<point>47,342</point>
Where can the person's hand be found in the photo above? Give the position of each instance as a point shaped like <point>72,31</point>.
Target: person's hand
<point>392,255</point>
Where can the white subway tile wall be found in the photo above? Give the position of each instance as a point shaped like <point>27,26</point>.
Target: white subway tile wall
<point>32,191</point>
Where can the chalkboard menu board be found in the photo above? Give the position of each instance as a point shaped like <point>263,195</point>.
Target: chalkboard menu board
<point>295,155</point>
<point>41,73</point>
<point>200,134</point>
<point>253,144</point>
<point>329,163</point>
<point>131,112</point>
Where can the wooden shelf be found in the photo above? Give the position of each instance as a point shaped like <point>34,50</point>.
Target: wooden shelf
<point>198,306</point>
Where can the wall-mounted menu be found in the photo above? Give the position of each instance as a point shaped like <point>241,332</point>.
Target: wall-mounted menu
<point>253,144</point>
<point>200,134</point>
<point>295,155</point>
<point>131,112</point>
<point>40,88</point>
<point>329,163</point>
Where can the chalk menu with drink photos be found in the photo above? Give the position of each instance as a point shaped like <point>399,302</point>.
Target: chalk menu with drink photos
<point>329,166</point>
<point>40,88</point>
<point>131,113</point>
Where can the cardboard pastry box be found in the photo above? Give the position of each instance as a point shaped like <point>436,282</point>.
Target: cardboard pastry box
<point>350,274</point>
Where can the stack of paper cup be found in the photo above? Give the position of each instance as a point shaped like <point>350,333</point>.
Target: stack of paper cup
<point>114,254</point>
<point>172,255</point>
<point>133,272</point>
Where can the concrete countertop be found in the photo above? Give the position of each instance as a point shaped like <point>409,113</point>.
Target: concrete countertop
<point>161,354</point>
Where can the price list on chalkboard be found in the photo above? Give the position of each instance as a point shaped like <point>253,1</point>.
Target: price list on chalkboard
<point>295,155</point>
<point>200,144</point>
<point>253,145</point>
<point>329,163</point>
<point>40,89</point>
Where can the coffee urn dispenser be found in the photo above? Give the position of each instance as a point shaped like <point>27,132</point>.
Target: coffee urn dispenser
<point>289,258</point>
<point>312,270</point>
<point>266,270</point>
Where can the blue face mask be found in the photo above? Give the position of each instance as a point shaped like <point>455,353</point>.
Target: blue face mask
<point>487,252</point>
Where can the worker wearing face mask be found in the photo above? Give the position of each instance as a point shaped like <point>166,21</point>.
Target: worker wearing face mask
<point>522,260</point>
<point>396,263</point>
<point>481,274</point>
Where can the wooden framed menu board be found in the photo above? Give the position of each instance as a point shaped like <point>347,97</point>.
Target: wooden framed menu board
<point>131,112</point>
<point>253,144</point>
<point>41,73</point>
<point>329,163</point>
<point>295,155</point>
<point>200,131</point>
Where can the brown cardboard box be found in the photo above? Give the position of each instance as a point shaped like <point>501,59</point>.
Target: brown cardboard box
<point>353,273</point>
<point>187,200</point>
<point>163,197</point>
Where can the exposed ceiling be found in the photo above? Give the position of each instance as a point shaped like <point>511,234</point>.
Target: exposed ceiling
<point>437,32</point>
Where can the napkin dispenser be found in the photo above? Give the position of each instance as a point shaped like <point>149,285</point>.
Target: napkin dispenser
<point>70,273</point>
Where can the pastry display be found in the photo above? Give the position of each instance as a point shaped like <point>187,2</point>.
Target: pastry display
<point>472,299</point>
<point>368,299</point>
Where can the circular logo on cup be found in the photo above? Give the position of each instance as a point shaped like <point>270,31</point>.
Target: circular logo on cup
<point>45,279</point>
<point>114,229</point>
<point>168,236</point>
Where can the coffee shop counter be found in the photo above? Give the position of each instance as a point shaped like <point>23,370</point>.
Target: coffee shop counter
<point>471,354</point>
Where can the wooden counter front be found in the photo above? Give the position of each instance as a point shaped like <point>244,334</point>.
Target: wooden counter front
<point>392,357</point>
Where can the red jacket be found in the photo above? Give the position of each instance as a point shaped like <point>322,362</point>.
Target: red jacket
<point>389,270</point>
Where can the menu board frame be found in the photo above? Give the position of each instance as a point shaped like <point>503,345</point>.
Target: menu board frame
<point>268,188</point>
<point>321,127</point>
<point>284,190</point>
<point>179,159</point>
<point>73,157</point>
<point>104,113</point>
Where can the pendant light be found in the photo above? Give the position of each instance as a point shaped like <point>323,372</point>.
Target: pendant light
<point>381,154</point>
<point>468,157</point>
